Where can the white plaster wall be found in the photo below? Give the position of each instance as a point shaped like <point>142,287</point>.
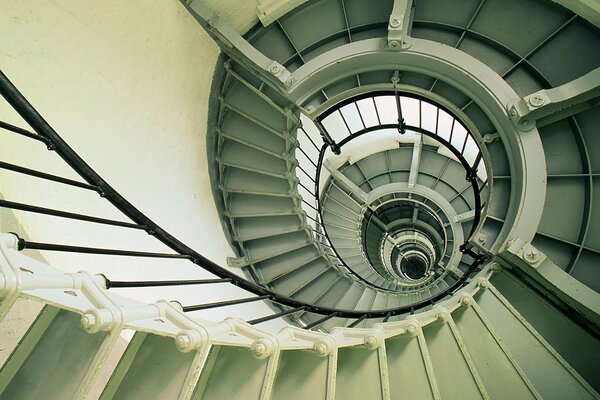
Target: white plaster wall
<point>126,84</point>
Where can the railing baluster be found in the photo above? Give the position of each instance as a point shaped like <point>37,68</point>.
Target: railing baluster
<point>274,316</point>
<point>310,139</point>
<point>307,157</point>
<point>387,317</point>
<point>321,320</point>
<point>358,321</point>
<point>26,133</point>
<point>24,244</point>
<point>66,214</point>
<point>135,284</point>
<point>48,177</point>
<point>225,303</point>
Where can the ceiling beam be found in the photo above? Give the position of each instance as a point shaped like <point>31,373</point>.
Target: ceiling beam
<point>399,24</point>
<point>549,105</point>
<point>586,9</point>
<point>416,160</point>
<point>360,194</point>
<point>238,48</point>
<point>269,11</point>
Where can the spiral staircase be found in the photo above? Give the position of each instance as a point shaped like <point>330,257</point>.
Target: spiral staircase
<point>408,186</point>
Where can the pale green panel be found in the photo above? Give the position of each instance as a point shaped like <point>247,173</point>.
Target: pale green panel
<point>452,373</point>
<point>231,373</point>
<point>358,375</point>
<point>580,349</point>
<point>407,372</point>
<point>158,371</point>
<point>499,376</point>
<point>301,375</point>
<point>548,375</point>
<point>58,361</point>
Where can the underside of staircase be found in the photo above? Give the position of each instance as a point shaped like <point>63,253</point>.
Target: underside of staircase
<point>409,186</point>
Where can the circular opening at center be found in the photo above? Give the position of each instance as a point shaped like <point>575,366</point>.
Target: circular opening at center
<point>413,267</point>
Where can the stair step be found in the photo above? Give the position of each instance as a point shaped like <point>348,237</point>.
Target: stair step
<point>336,231</point>
<point>331,203</point>
<point>237,127</point>
<point>292,280</point>
<point>257,228</point>
<point>248,205</point>
<point>335,217</point>
<point>248,260</point>
<point>262,249</point>
<point>234,111</point>
<point>243,98</point>
<point>276,267</point>
<point>239,180</point>
<point>236,155</point>
<point>316,287</point>
<point>282,155</point>
<point>333,295</point>
<point>335,194</point>
<point>351,297</point>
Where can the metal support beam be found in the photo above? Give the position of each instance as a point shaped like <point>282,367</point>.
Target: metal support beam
<point>235,46</point>
<point>587,9</point>
<point>529,260</point>
<point>399,25</point>
<point>549,105</point>
<point>347,183</point>
<point>416,160</point>
<point>464,217</point>
<point>268,11</point>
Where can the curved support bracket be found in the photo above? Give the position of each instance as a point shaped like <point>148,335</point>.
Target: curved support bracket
<point>549,105</point>
<point>238,48</point>
<point>529,260</point>
<point>399,25</point>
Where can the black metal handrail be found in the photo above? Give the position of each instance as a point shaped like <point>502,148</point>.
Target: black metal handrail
<point>95,182</point>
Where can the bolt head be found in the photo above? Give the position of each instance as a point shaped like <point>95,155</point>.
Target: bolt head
<point>371,342</point>
<point>467,300</point>
<point>531,255</point>
<point>321,349</point>
<point>275,69</point>
<point>411,330</point>
<point>394,23</point>
<point>536,100</point>
<point>443,316</point>
<point>88,320</point>
<point>259,349</point>
<point>395,43</point>
<point>182,341</point>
